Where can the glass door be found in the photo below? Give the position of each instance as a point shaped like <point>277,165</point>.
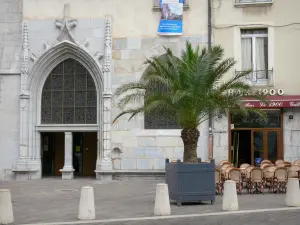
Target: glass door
<point>258,147</point>
<point>272,145</point>
<point>265,145</point>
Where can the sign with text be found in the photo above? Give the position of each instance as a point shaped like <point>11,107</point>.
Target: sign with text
<point>171,17</point>
<point>274,102</point>
<point>265,91</point>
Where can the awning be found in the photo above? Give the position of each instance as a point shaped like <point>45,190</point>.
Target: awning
<point>288,101</point>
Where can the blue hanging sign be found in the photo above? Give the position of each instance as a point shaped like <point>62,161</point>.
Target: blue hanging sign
<point>171,17</point>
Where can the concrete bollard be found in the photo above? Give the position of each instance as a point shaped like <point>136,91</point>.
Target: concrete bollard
<point>6,210</point>
<point>230,199</point>
<point>162,202</point>
<point>87,204</point>
<point>292,197</point>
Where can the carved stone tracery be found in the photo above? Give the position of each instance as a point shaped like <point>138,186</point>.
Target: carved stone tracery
<point>66,25</point>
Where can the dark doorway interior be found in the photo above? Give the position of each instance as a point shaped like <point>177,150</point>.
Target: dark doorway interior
<point>84,153</point>
<point>241,147</point>
<point>52,153</point>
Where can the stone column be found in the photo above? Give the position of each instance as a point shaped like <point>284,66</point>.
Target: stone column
<point>68,171</point>
<point>104,162</point>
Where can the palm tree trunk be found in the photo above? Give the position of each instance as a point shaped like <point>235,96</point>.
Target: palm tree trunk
<point>190,139</point>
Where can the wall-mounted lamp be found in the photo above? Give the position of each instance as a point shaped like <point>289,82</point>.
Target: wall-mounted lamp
<point>291,117</point>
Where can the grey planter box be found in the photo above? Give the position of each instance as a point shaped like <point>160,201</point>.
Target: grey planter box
<point>191,182</point>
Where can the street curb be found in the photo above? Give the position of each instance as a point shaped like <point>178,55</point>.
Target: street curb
<point>170,217</point>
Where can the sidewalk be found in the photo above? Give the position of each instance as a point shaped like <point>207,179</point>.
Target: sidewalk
<point>54,200</point>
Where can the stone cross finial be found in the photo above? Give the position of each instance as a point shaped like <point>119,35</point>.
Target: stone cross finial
<point>66,25</point>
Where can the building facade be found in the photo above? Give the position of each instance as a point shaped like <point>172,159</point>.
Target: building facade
<point>61,62</point>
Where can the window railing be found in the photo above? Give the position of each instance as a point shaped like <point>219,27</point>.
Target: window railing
<point>253,2</point>
<point>259,77</point>
<point>156,5</point>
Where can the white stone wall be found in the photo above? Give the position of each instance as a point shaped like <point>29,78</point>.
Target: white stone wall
<point>146,149</point>
<point>10,35</point>
<point>9,124</point>
<point>220,132</point>
<point>291,135</point>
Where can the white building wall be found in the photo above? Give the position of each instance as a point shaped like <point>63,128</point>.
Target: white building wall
<point>9,124</point>
<point>291,134</point>
<point>220,132</point>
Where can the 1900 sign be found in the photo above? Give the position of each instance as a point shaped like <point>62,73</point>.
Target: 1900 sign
<point>272,104</point>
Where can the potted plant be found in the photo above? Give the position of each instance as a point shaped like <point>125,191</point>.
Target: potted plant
<point>191,92</point>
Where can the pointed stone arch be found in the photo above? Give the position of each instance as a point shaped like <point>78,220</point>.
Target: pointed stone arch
<point>31,155</point>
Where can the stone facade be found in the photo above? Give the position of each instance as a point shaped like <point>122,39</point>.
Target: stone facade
<point>146,149</point>
<point>10,36</point>
<point>291,135</point>
<point>111,42</point>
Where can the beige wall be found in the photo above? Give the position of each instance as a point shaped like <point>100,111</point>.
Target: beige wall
<point>131,18</point>
<point>283,40</point>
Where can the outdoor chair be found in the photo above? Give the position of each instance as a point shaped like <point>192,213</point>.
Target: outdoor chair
<point>223,162</point>
<point>243,168</point>
<point>262,166</point>
<point>280,179</point>
<point>247,176</point>
<point>266,161</point>
<point>218,181</point>
<point>297,162</point>
<point>236,176</point>
<point>281,165</point>
<point>268,173</point>
<point>293,171</point>
<point>256,184</point>
<point>279,161</point>
<point>226,172</point>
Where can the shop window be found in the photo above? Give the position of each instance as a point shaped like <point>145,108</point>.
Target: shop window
<point>254,120</point>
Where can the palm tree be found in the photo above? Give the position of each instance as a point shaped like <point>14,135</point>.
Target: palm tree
<point>191,91</point>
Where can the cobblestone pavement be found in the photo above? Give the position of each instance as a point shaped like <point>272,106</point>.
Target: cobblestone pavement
<point>278,218</point>
<point>54,200</point>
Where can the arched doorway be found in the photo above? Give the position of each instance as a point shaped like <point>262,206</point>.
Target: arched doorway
<point>69,99</point>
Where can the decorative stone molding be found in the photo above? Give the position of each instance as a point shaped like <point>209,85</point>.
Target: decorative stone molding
<point>108,46</point>
<point>24,169</point>
<point>33,57</point>
<point>66,25</point>
<point>47,45</point>
<point>39,73</point>
<point>25,50</point>
<point>104,165</point>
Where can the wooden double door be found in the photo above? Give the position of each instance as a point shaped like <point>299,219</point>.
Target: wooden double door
<point>254,145</point>
<point>84,153</point>
<point>265,144</point>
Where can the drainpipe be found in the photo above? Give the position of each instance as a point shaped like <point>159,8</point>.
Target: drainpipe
<point>210,122</point>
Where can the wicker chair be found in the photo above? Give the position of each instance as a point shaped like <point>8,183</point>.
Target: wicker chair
<point>268,173</point>
<point>226,172</point>
<point>247,175</point>
<point>280,179</point>
<point>236,175</point>
<point>218,181</point>
<point>223,162</point>
<point>266,161</point>
<point>293,171</point>
<point>281,165</point>
<point>263,165</point>
<point>256,184</point>
<point>279,161</point>
<point>297,162</point>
